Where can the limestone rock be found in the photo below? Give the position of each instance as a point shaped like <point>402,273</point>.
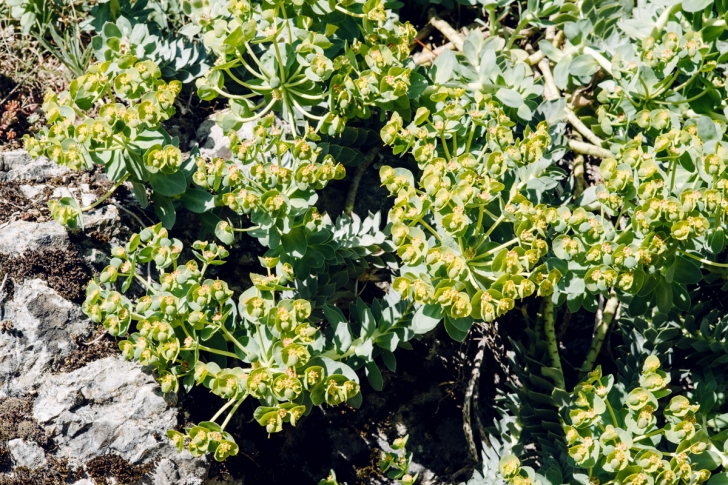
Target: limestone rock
<point>113,406</point>
<point>43,325</point>
<point>26,453</point>
<point>18,165</point>
<point>19,236</point>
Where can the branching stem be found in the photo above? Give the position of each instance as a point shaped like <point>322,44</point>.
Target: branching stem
<point>549,320</point>
<point>604,320</point>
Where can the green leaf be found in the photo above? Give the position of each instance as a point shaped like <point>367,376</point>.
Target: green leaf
<point>168,185</point>
<point>719,479</point>
<point>663,295</point>
<point>389,360</point>
<point>454,332</point>
<point>140,192</point>
<point>685,271</point>
<point>366,318</point>
<point>583,65</point>
<point>426,318</point>
<point>342,334</point>
<point>696,6</point>
<point>164,208</point>
<point>444,66</point>
<point>198,201</point>
<point>509,97</point>
<point>374,376</point>
<point>294,243</point>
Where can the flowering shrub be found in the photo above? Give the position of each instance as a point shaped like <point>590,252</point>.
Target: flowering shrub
<point>624,444</point>
<point>492,208</point>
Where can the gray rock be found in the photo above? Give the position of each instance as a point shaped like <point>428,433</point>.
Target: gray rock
<point>26,453</point>
<point>18,165</point>
<point>43,324</point>
<point>112,406</point>
<point>213,143</point>
<point>102,218</point>
<point>32,191</point>
<point>19,236</point>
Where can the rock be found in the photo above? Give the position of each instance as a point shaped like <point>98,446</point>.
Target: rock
<point>112,406</point>
<point>82,196</point>
<point>213,143</point>
<point>32,191</point>
<point>20,236</point>
<point>18,165</point>
<point>26,453</point>
<point>43,325</point>
<point>102,218</point>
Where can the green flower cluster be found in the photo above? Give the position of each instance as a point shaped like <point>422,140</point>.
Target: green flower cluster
<point>303,64</point>
<point>625,445</point>
<point>124,135</point>
<point>187,327</point>
<point>465,147</point>
<point>274,181</point>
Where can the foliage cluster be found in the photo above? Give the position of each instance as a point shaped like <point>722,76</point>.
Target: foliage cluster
<point>492,209</point>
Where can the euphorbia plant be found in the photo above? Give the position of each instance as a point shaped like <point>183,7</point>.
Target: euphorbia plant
<point>616,438</point>
<point>267,347</point>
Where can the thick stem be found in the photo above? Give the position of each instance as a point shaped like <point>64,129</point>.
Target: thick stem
<point>589,149</point>
<point>603,62</point>
<point>604,320</point>
<point>446,29</point>
<point>578,175</point>
<point>582,128</point>
<point>551,91</point>
<point>549,320</point>
<point>469,398</point>
<point>356,180</point>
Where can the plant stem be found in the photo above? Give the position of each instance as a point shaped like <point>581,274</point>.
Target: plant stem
<point>219,352</point>
<point>495,250</point>
<point>702,260</point>
<point>232,411</point>
<point>604,320</point>
<point>107,194</point>
<point>222,410</point>
<point>582,128</point>
<point>246,229</point>
<point>521,24</point>
<point>446,29</point>
<point>589,149</point>
<point>358,174</point>
<point>578,175</point>
<point>611,412</point>
<point>469,398</point>
<point>429,228</point>
<point>549,318</point>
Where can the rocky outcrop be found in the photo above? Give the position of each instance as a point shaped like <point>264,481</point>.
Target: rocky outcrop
<point>112,405</point>
<point>108,407</point>
<point>18,165</point>
<point>104,409</point>
<point>20,236</point>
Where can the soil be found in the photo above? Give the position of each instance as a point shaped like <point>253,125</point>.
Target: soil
<point>96,347</point>
<point>105,467</point>
<point>53,472</point>
<point>16,421</point>
<point>63,269</point>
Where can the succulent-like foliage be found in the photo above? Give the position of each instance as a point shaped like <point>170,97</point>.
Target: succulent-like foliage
<point>617,438</point>
<point>189,328</point>
<point>491,210</point>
